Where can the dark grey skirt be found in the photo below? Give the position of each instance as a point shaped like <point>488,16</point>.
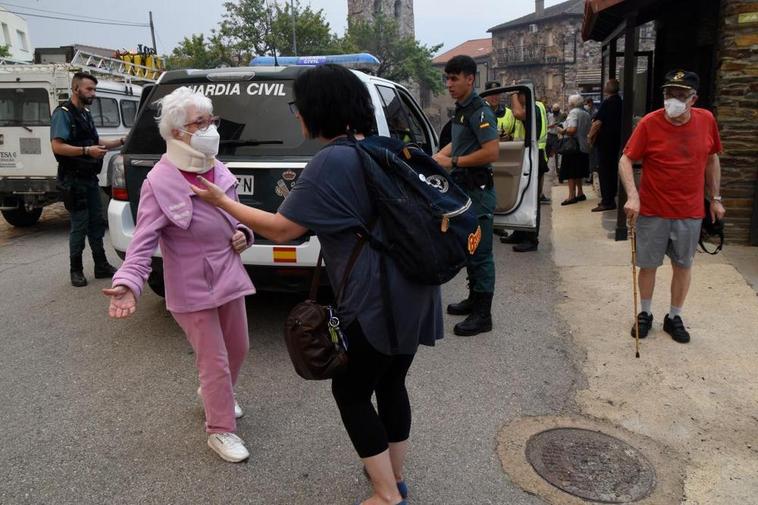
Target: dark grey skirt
<point>574,166</point>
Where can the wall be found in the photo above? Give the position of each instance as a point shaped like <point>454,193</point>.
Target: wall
<point>736,108</point>
<point>400,10</point>
<point>14,33</point>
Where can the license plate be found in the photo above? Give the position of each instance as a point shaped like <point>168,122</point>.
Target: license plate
<point>246,186</point>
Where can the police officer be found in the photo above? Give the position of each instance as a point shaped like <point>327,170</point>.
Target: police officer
<point>473,148</point>
<point>80,152</point>
<point>528,241</point>
<point>505,119</point>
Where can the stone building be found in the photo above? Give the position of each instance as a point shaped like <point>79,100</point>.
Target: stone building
<point>399,10</point>
<point>439,108</point>
<point>715,38</point>
<point>546,48</point>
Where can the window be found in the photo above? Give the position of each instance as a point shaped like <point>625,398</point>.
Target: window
<point>24,107</point>
<point>128,112</point>
<point>477,80</point>
<point>549,81</point>
<point>105,112</point>
<point>377,7</point>
<point>398,9</point>
<point>417,123</point>
<point>6,35</point>
<point>396,115</point>
<point>22,40</point>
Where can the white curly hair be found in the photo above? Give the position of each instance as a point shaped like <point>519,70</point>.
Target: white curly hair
<point>172,109</point>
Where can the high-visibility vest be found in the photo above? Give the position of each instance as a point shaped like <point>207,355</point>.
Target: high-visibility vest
<point>519,132</point>
<point>506,122</point>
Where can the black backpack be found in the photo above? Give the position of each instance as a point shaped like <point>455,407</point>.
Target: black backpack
<point>430,230</point>
<point>710,229</point>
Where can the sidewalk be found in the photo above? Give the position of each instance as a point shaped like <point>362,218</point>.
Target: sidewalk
<point>699,399</point>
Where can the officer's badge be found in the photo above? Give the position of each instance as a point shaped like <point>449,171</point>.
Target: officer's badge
<point>474,239</point>
<point>678,76</point>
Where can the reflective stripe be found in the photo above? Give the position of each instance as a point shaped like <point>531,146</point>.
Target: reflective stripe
<point>506,123</point>
<point>542,140</point>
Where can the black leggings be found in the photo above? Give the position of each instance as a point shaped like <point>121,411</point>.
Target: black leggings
<point>370,371</point>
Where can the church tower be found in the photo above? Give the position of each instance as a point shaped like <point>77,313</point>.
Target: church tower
<point>399,10</point>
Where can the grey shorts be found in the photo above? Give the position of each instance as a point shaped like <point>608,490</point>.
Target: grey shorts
<point>676,238</point>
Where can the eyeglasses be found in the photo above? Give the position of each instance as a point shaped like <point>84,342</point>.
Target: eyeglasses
<point>293,108</point>
<point>205,123</point>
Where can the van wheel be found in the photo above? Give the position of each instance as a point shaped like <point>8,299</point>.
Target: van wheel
<point>155,281</point>
<point>21,218</point>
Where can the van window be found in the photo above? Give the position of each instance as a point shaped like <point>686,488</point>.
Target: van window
<point>24,107</point>
<point>105,112</point>
<point>128,111</point>
<point>397,117</point>
<point>255,120</point>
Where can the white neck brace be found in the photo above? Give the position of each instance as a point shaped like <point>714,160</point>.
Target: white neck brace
<point>188,159</point>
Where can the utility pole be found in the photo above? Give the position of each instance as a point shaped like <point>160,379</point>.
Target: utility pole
<point>152,32</point>
<point>294,31</point>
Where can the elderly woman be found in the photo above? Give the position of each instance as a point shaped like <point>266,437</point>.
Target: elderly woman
<point>205,280</point>
<point>331,199</point>
<point>575,166</point>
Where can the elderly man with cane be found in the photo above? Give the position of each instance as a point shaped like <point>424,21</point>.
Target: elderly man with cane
<point>678,146</point>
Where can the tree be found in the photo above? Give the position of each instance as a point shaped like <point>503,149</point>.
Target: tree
<point>313,33</point>
<point>244,29</point>
<point>4,52</point>
<point>197,52</point>
<point>403,59</point>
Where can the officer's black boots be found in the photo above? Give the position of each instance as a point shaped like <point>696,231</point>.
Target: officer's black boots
<point>480,319</point>
<point>463,307</point>
<point>103,269</point>
<point>77,272</point>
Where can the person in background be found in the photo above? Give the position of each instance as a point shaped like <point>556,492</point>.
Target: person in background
<point>475,145</point>
<point>575,166</point>
<point>679,148</point>
<point>205,280</point>
<point>504,115</point>
<point>605,137</point>
<point>332,200</point>
<point>79,152</point>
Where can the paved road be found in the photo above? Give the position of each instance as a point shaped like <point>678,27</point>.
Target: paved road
<point>97,411</point>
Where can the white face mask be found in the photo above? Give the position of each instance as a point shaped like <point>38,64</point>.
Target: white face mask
<point>674,108</point>
<point>206,141</point>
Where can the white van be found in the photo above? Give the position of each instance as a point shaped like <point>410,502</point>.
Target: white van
<point>28,95</point>
<point>263,146</point>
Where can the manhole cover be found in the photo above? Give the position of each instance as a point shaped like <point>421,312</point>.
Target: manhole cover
<point>591,465</point>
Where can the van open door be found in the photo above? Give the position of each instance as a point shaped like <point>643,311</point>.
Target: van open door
<point>516,172</point>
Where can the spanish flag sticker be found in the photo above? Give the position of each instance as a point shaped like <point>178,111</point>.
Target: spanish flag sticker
<point>285,255</point>
<point>484,125</point>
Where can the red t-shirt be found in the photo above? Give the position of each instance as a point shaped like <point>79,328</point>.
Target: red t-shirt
<point>673,163</point>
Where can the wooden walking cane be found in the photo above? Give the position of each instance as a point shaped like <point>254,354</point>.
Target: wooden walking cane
<point>633,239</point>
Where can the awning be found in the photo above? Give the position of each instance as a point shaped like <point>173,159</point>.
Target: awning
<point>603,17</point>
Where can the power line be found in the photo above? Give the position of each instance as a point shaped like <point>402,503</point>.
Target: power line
<point>143,25</point>
<point>64,13</point>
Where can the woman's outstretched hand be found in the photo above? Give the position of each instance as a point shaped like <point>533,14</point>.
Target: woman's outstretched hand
<point>123,303</point>
<point>210,193</point>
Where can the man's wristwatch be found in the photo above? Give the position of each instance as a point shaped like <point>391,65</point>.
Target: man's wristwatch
<point>454,161</point>
<point>716,198</point>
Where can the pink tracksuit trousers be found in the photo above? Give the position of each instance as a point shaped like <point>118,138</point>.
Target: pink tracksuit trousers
<point>220,341</point>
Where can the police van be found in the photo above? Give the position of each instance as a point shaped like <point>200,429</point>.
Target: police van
<point>28,95</point>
<point>262,144</point>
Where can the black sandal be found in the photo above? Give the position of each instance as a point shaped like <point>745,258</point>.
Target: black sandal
<point>569,201</point>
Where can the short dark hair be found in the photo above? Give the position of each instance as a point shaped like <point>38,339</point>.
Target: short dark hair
<point>461,63</point>
<point>491,85</point>
<point>82,75</point>
<point>333,101</point>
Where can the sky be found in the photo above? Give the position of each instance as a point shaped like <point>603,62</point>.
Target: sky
<point>445,22</point>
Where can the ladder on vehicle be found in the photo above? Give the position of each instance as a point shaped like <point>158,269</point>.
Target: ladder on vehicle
<point>97,65</point>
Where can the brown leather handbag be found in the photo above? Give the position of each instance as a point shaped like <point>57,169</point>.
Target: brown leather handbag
<point>315,342</point>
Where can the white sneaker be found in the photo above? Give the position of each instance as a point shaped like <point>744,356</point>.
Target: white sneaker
<point>228,446</point>
<point>238,412</point>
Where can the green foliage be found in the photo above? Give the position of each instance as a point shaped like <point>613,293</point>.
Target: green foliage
<point>313,33</point>
<point>4,52</point>
<point>197,52</point>
<point>403,59</point>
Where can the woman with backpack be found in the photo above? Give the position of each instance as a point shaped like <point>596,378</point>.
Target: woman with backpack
<point>331,199</point>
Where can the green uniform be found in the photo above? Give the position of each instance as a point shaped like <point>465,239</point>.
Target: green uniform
<point>475,124</point>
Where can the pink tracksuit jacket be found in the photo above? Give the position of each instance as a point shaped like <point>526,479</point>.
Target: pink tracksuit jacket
<point>201,270</point>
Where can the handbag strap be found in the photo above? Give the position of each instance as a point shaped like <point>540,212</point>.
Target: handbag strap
<point>362,237</point>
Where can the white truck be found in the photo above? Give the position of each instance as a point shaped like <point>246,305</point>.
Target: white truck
<point>28,95</point>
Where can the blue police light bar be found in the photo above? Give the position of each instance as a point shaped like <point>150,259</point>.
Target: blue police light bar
<point>357,60</point>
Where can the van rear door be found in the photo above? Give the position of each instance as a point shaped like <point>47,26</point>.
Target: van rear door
<point>25,131</point>
<point>516,173</point>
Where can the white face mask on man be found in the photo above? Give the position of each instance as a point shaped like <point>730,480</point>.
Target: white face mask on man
<point>675,107</point>
<point>206,141</point>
